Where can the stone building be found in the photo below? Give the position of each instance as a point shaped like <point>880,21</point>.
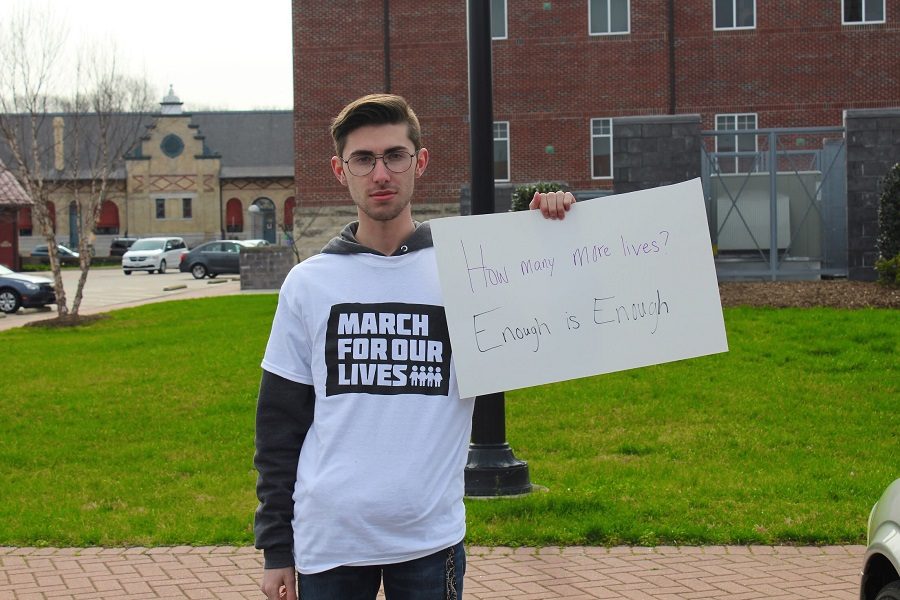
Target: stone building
<point>202,176</point>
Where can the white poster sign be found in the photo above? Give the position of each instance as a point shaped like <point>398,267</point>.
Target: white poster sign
<point>623,281</point>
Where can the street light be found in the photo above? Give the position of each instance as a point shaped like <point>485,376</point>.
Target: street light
<point>492,469</point>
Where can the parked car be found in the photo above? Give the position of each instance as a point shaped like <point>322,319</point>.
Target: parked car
<point>120,246</point>
<point>881,570</point>
<point>213,258</point>
<point>153,254</point>
<point>65,255</point>
<point>19,289</point>
<point>254,243</point>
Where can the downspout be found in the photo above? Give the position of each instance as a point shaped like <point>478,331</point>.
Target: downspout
<point>386,34</point>
<point>672,99</point>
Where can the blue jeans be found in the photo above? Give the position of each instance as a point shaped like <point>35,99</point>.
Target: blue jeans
<point>438,576</point>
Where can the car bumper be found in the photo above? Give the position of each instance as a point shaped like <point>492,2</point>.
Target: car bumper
<point>140,267</point>
<point>37,299</point>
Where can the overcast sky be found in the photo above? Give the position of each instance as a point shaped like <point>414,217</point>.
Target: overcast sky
<point>215,54</point>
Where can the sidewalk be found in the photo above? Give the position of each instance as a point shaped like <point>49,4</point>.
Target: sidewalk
<point>578,573</point>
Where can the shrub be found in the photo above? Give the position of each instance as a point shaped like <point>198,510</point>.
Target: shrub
<point>888,270</point>
<point>888,264</point>
<point>523,194</point>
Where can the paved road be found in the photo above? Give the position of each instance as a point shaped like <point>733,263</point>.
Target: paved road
<point>109,288</point>
<point>577,573</point>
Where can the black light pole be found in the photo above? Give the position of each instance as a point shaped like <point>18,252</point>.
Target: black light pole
<point>493,469</point>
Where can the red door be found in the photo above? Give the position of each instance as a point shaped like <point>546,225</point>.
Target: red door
<point>9,238</point>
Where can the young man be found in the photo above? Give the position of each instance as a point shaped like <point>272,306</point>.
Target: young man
<point>361,436</point>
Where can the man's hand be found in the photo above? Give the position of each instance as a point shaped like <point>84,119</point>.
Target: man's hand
<point>279,584</point>
<point>553,205</point>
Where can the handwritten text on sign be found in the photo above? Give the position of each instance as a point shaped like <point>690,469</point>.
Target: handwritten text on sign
<point>623,281</point>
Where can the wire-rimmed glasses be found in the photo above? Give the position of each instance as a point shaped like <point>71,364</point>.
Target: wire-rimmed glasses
<point>396,161</point>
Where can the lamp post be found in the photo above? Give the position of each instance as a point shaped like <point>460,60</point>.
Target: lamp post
<point>492,469</point>
<point>254,221</point>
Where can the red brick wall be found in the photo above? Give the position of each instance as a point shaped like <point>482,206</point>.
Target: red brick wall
<point>799,67</point>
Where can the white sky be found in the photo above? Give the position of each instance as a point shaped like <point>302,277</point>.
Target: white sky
<point>216,54</point>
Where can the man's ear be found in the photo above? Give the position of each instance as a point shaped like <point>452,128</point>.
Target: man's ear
<point>337,167</point>
<point>421,161</point>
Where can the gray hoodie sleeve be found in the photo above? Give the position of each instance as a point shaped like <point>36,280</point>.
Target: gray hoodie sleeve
<point>284,414</point>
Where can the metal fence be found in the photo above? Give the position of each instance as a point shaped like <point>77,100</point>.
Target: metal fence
<point>776,200</point>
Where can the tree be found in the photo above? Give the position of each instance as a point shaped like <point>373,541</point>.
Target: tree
<point>65,135</point>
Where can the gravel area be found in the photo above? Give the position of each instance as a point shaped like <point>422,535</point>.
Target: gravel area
<point>832,293</point>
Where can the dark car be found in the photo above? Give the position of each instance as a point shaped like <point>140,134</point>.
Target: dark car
<point>65,255</point>
<point>212,258</point>
<point>19,289</point>
<point>119,246</point>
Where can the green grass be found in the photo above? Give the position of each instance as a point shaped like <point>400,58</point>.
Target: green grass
<point>139,430</point>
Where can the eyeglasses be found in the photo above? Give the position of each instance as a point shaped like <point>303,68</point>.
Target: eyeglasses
<point>396,161</point>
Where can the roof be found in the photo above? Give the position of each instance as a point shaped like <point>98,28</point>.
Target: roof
<point>11,193</point>
<point>248,143</point>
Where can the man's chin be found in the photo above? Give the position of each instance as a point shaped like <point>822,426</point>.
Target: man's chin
<point>383,213</point>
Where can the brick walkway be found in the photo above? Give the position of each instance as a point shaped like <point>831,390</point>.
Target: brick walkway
<point>664,573</point>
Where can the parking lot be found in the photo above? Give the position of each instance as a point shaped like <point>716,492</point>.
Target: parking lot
<point>108,288</point>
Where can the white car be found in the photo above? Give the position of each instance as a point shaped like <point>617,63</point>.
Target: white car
<point>881,571</point>
<point>153,254</point>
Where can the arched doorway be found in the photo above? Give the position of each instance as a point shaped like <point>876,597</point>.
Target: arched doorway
<point>262,220</point>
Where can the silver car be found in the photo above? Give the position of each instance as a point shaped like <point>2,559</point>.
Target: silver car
<point>881,573</point>
<point>153,254</point>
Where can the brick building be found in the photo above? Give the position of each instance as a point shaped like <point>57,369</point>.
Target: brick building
<point>564,69</point>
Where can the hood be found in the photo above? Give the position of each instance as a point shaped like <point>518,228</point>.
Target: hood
<point>35,279</point>
<point>144,252</point>
<point>346,242</point>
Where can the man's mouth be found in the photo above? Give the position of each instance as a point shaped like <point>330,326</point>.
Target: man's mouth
<point>383,194</point>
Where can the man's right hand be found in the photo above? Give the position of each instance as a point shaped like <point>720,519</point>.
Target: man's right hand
<point>279,584</point>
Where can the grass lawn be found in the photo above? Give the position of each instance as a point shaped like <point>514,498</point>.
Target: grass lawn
<point>139,430</point>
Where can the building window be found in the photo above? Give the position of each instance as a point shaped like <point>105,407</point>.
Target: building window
<point>498,19</point>
<point>160,208</point>
<point>501,151</point>
<point>734,14</point>
<point>289,205</point>
<point>734,146</point>
<point>863,11</point>
<point>25,226</point>
<point>234,216</point>
<point>108,223</point>
<point>186,209</point>
<point>607,17</point>
<point>601,148</point>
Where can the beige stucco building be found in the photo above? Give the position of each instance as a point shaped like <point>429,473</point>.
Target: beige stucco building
<point>202,176</point>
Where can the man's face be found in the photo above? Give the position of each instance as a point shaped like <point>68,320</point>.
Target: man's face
<point>381,195</point>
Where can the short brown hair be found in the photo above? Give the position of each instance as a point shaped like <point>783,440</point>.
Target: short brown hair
<point>375,109</point>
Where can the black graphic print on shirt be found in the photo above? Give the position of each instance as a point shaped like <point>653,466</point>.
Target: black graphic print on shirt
<point>388,348</point>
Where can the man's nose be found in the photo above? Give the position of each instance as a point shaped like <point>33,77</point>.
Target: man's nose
<point>380,172</point>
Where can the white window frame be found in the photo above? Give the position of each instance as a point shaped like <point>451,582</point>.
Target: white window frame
<point>737,117</point>
<point>734,12</point>
<point>609,19</point>
<point>602,135</point>
<point>504,140</point>
<point>505,20</point>
<point>863,21</point>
